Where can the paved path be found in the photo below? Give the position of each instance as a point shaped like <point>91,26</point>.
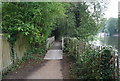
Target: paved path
<point>52,68</point>
<point>54,54</point>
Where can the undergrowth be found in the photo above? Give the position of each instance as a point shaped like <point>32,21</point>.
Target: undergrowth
<point>89,63</point>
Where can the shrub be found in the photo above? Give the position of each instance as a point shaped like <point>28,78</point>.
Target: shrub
<point>91,63</point>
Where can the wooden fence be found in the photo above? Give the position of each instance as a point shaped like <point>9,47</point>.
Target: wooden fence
<point>80,46</point>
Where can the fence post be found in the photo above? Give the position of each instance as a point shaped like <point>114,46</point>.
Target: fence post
<point>62,43</point>
<point>118,67</point>
<point>0,57</point>
<point>114,64</point>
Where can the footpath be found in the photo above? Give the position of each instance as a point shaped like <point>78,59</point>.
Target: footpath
<point>50,69</point>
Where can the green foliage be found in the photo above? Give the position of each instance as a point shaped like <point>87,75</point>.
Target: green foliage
<point>34,54</point>
<point>90,63</point>
<point>112,26</point>
<point>30,54</point>
<point>93,65</point>
<point>85,22</point>
<point>65,26</point>
<point>71,48</point>
<point>85,66</point>
<point>79,22</point>
<point>119,25</point>
<point>32,20</point>
<point>103,25</point>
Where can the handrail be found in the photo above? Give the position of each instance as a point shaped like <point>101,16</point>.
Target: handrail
<point>49,42</point>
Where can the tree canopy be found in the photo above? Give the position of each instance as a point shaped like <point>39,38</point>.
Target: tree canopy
<point>33,20</point>
<point>36,21</point>
<point>80,21</point>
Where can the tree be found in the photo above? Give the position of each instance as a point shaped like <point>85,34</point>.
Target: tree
<point>32,20</point>
<point>78,23</point>
<point>103,26</point>
<point>112,26</point>
<point>65,26</point>
<point>119,25</point>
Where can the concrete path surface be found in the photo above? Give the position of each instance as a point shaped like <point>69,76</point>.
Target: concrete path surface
<point>54,54</point>
<point>56,45</point>
<point>52,68</point>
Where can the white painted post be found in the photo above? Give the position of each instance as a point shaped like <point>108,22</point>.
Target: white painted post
<point>50,42</point>
<point>62,43</point>
<point>47,44</point>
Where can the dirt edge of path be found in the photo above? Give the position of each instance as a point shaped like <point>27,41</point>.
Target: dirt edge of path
<point>21,73</point>
<point>65,67</point>
<point>26,67</point>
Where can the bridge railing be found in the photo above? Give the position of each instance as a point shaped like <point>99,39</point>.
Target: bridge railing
<point>49,42</point>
